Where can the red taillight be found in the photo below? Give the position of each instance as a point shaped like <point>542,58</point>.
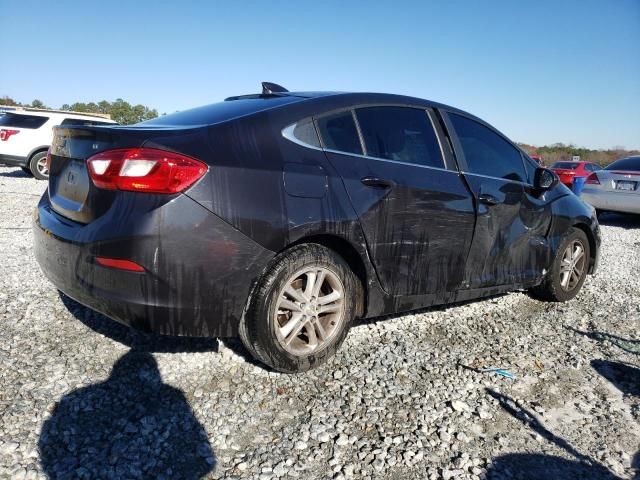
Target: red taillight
<point>592,179</point>
<point>120,264</point>
<point>144,170</point>
<point>5,133</point>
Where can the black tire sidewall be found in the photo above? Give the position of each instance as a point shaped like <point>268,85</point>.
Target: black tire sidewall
<point>259,328</point>
<point>33,165</point>
<point>556,290</point>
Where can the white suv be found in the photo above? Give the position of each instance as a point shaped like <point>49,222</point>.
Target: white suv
<point>26,134</point>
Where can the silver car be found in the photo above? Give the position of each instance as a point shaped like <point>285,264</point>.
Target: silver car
<point>616,188</point>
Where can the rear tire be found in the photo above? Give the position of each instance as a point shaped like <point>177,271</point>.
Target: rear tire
<point>301,309</point>
<point>568,271</point>
<point>37,166</point>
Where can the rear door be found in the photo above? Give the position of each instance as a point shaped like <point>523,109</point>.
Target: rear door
<point>415,210</point>
<point>509,243</point>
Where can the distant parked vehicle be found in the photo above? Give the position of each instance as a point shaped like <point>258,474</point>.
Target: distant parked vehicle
<point>615,188</point>
<point>567,171</point>
<point>26,134</point>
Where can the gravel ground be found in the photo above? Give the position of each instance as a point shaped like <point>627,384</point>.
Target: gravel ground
<point>83,397</point>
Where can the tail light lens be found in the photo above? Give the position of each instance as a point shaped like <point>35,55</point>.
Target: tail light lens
<point>144,170</point>
<point>592,179</point>
<point>6,133</point>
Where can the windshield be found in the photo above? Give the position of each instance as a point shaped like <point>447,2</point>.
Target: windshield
<point>220,112</point>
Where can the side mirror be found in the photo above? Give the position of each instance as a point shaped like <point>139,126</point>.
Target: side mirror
<point>544,179</point>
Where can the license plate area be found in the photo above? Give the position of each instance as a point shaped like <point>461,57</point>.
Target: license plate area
<point>626,185</point>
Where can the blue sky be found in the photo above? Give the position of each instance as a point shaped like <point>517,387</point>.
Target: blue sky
<point>541,71</point>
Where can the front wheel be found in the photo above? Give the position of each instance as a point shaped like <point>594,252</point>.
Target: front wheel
<point>300,310</point>
<point>568,271</point>
<point>38,166</point>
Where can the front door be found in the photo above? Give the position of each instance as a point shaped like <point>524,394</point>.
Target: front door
<point>509,244</point>
<point>416,212</point>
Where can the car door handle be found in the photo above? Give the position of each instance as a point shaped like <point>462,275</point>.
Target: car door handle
<point>487,199</point>
<point>377,182</point>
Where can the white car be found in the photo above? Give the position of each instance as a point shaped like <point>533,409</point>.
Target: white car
<point>26,134</point>
<point>616,188</point>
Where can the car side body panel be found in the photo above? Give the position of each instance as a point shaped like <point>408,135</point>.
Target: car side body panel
<point>205,249</point>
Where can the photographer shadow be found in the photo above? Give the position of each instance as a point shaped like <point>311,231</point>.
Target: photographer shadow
<point>530,466</point>
<point>132,425</point>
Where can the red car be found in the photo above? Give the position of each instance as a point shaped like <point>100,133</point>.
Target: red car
<point>567,171</point>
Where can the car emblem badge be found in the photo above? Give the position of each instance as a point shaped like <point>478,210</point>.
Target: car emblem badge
<point>71,178</point>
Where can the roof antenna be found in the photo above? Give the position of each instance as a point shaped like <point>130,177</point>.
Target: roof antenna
<point>269,88</point>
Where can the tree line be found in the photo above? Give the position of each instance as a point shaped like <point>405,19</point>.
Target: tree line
<point>560,152</point>
<point>119,110</point>
<point>125,113</point>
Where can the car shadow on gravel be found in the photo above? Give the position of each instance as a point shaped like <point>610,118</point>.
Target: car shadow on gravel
<point>135,339</point>
<point>533,466</point>
<point>626,344</point>
<point>18,173</point>
<point>132,425</point>
<point>619,220</point>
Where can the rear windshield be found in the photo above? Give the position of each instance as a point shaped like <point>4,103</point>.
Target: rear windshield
<point>566,165</point>
<point>22,121</point>
<point>630,164</point>
<point>220,112</point>
<point>80,121</point>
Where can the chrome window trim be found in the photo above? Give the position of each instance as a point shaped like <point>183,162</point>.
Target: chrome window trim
<point>369,157</point>
<point>496,178</point>
<point>287,132</point>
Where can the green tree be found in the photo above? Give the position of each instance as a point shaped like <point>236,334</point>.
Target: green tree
<point>6,100</point>
<point>38,104</point>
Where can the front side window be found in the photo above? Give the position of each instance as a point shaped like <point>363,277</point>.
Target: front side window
<point>486,152</point>
<point>338,132</point>
<point>400,133</point>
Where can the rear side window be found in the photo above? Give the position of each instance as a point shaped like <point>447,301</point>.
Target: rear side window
<point>400,133</point>
<point>305,132</point>
<point>79,121</point>
<point>22,121</point>
<point>486,152</point>
<point>630,164</point>
<point>338,132</point>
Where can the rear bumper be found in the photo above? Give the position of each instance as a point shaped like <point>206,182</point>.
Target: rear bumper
<point>13,160</point>
<point>615,201</point>
<point>198,269</point>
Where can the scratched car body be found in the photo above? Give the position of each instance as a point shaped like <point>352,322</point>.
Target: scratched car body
<point>282,216</point>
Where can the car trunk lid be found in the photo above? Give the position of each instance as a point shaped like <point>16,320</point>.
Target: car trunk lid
<point>71,192</point>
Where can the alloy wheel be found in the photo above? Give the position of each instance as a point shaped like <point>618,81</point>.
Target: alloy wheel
<point>309,310</point>
<point>42,167</point>
<point>572,265</point>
